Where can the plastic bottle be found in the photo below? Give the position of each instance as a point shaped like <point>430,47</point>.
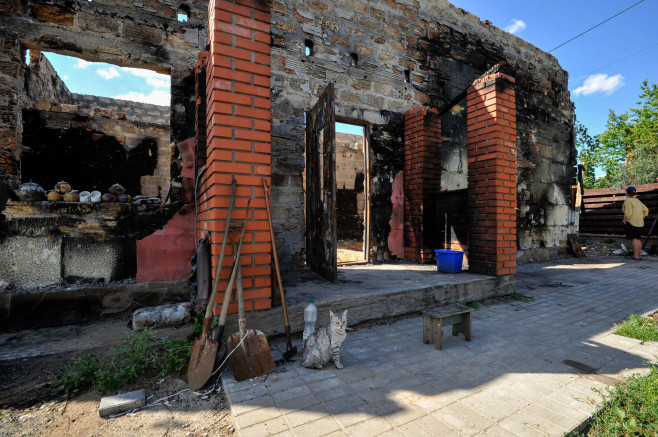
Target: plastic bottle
<point>310,317</point>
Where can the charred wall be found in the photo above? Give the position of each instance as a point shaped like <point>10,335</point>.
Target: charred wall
<point>142,34</point>
<point>92,153</point>
<point>390,56</point>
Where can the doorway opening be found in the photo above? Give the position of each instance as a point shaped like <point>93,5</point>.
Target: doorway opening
<point>351,196</point>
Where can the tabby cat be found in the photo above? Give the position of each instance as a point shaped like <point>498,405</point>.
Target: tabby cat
<point>324,343</point>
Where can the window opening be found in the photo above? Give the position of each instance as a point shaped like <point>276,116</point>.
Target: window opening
<point>308,47</point>
<point>407,76</point>
<point>354,59</point>
<point>183,14</point>
<point>93,154</point>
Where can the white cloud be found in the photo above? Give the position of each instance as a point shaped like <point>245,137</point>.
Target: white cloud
<point>140,72</point>
<point>108,73</point>
<point>158,83</point>
<point>156,97</point>
<point>82,63</point>
<point>516,26</point>
<point>600,83</point>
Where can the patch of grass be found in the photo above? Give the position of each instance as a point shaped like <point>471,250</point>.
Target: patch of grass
<point>520,297</point>
<point>609,241</point>
<point>476,303</point>
<point>138,356</point>
<point>630,408</point>
<point>641,328</point>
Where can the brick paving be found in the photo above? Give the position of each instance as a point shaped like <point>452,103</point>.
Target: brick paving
<point>528,371</point>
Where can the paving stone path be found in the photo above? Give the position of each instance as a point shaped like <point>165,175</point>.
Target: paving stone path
<point>528,371</point>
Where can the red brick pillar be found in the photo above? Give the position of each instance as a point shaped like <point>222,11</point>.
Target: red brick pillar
<point>422,178</point>
<point>238,140</point>
<point>491,134</point>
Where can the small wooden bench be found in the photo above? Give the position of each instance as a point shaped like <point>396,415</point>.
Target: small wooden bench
<point>434,319</point>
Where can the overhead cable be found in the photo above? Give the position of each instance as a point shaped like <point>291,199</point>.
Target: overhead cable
<point>594,27</point>
<point>613,62</point>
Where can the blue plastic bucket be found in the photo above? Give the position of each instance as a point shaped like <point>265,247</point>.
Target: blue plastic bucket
<point>449,261</point>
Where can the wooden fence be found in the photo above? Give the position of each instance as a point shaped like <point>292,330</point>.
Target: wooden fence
<point>602,215</point>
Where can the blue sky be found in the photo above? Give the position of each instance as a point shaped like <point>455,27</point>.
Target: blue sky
<point>99,79</point>
<point>595,86</point>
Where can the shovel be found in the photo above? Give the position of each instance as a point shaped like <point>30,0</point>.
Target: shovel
<point>290,350</point>
<point>250,353</point>
<point>204,350</point>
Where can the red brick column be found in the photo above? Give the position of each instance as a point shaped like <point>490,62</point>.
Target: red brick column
<point>491,133</point>
<point>238,140</point>
<point>422,177</point>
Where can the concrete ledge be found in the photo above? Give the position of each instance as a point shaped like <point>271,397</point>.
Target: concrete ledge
<point>374,306</point>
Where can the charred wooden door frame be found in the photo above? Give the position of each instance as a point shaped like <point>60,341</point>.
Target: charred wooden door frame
<point>321,254</point>
<point>321,235</point>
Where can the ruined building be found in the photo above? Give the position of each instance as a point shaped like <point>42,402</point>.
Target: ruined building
<point>256,89</point>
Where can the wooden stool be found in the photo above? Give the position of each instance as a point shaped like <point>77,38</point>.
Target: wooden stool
<point>434,319</point>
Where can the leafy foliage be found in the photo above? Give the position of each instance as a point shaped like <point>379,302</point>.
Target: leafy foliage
<point>630,408</point>
<point>641,328</point>
<point>138,356</point>
<point>627,151</point>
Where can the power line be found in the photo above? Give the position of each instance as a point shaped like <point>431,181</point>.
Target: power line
<point>614,62</point>
<point>594,27</point>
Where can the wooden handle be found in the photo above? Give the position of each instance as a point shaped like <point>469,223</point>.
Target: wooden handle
<point>213,295</point>
<point>276,257</point>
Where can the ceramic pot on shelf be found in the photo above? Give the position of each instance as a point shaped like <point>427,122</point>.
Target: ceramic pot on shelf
<point>71,196</point>
<point>30,192</point>
<point>108,197</point>
<point>54,196</point>
<point>124,198</point>
<point>95,196</point>
<point>62,187</point>
<point>85,197</point>
<point>117,189</point>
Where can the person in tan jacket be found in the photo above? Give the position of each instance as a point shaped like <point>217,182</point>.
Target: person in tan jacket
<point>634,214</point>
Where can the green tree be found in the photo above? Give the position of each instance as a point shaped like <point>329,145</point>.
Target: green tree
<point>627,150</point>
<point>586,145</point>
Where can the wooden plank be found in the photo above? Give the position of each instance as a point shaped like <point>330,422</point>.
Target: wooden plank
<point>608,191</point>
<point>437,334</point>
<point>467,326</point>
<point>321,250</point>
<point>427,329</point>
<point>446,310</point>
<point>576,246</point>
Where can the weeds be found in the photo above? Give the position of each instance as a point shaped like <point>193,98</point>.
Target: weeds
<point>520,297</point>
<point>476,303</point>
<point>641,328</point>
<point>609,241</point>
<point>138,356</point>
<point>198,325</point>
<point>630,408</point>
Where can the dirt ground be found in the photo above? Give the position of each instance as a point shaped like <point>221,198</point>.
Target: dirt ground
<point>29,407</point>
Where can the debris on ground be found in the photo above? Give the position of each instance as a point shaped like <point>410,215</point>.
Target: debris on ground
<point>121,402</point>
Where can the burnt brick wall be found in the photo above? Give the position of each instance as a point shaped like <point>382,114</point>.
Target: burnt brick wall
<point>143,34</point>
<point>92,153</point>
<point>388,57</point>
<point>135,111</point>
